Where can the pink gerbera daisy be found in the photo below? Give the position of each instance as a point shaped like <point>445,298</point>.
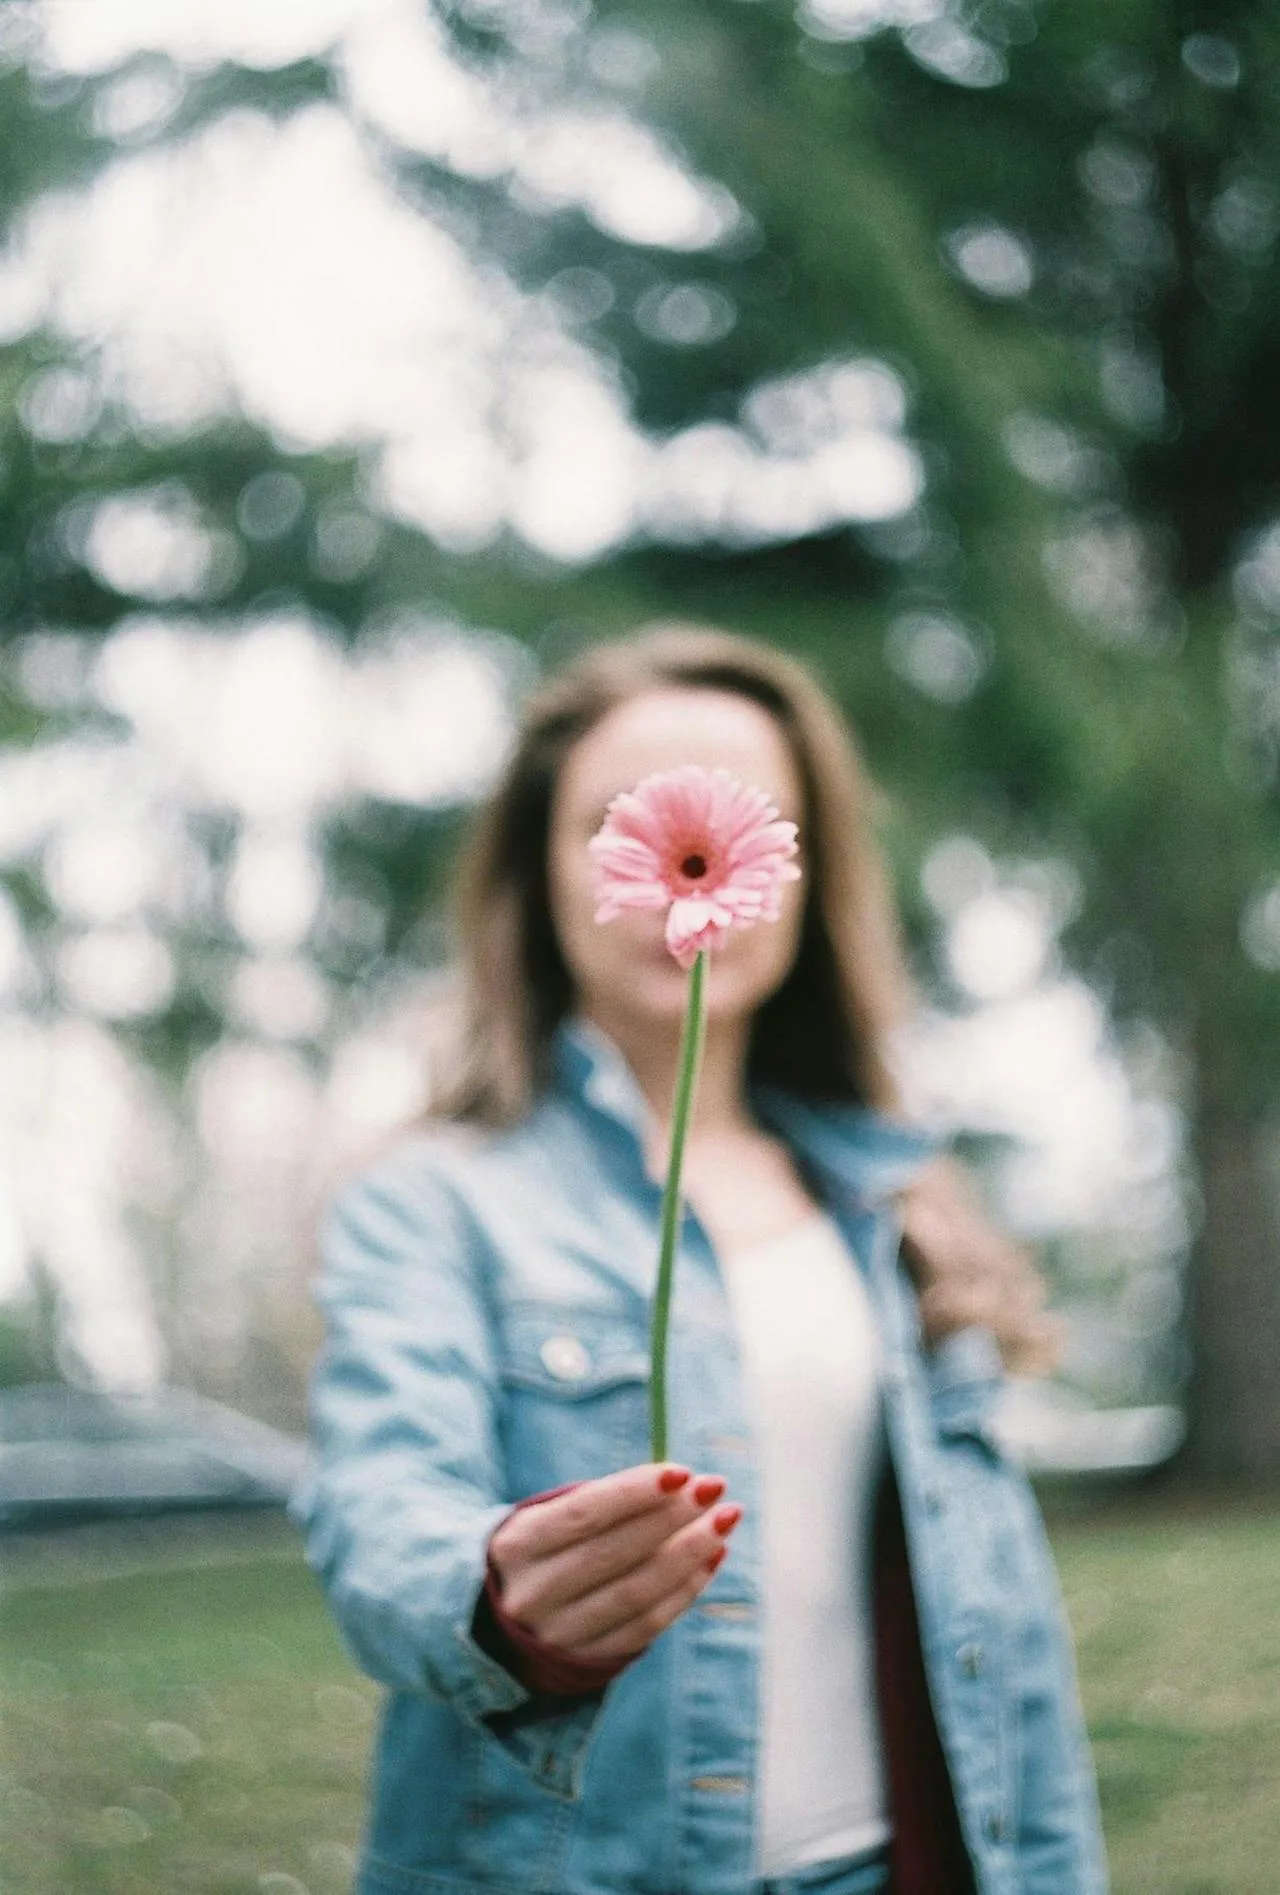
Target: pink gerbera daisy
<point>709,849</point>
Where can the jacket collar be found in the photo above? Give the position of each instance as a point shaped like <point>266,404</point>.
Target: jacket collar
<point>859,1150</point>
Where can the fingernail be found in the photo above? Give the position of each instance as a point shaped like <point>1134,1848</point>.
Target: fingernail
<point>727,1518</point>
<point>717,1559</point>
<point>671,1479</point>
<point>709,1488</point>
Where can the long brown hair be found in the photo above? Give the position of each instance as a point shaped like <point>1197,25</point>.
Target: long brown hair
<point>824,1033</point>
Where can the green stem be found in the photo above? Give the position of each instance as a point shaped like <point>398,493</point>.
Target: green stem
<point>691,1037</point>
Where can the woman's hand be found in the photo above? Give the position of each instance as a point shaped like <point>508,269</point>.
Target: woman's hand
<point>600,1571</point>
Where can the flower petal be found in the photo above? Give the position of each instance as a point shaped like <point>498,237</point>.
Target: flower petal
<point>650,833</point>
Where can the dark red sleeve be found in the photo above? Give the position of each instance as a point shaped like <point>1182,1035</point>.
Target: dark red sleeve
<point>541,1668</point>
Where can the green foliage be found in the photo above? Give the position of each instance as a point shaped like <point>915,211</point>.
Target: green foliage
<point>1091,390</point>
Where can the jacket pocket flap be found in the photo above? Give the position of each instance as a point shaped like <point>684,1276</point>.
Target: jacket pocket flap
<point>571,1354</point>
<point>966,1380</point>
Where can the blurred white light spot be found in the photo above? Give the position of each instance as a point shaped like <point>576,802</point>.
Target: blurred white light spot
<point>375,1084</point>
<point>89,39</point>
<point>119,973</point>
<point>345,543</point>
<point>156,1806</point>
<point>992,259</point>
<point>1117,173</point>
<point>54,669</point>
<point>685,315</point>
<point>858,19</point>
<point>254,1106</point>
<point>867,477</point>
<point>1212,59</point>
<point>1037,1067</point>
<point>143,672</point>
<point>1054,457</point>
<point>401,72</point>
<point>573,490</point>
<point>621,58</point>
<point>174,1742</point>
<point>15,1251</point>
<point>1103,572</point>
<point>626,181</point>
<point>276,1882</point>
<point>270,505</point>
<point>831,454</point>
<point>81,1136</point>
<point>453,486</point>
<point>103,869</point>
<point>1260,929</point>
<point>274,888</point>
<point>796,413</point>
<point>1245,216</point>
<point>580,295</point>
<point>272,734</point>
<point>997,944</point>
<point>281,999</point>
<point>956,872</point>
<point>24,292</point>
<point>936,654</point>
<point>432,718</point>
<point>1256,581</point>
<point>15,963</point>
<point>151,544</point>
<point>944,47</point>
<point>59,405</point>
<point>119,1828</point>
<point>139,102</point>
<point>1131,384</point>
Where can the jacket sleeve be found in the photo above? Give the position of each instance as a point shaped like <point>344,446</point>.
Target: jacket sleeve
<point>1059,1832</point>
<point>408,1481</point>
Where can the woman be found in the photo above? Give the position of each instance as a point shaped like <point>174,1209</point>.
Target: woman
<point>823,1651</point>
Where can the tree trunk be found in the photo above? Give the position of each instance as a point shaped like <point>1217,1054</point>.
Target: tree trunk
<point>1234,1306</point>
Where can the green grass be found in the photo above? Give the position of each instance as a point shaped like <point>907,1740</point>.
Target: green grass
<point>1177,1624</point>
<point>180,1730</point>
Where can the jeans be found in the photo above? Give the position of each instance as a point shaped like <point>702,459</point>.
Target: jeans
<point>853,1875</point>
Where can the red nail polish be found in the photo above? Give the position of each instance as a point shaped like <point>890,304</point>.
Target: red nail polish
<point>672,1479</point>
<point>709,1488</point>
<point>727,1519</point>
<point>717,1559</point>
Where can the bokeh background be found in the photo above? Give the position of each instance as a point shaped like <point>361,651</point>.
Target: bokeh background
<point>360,360</point>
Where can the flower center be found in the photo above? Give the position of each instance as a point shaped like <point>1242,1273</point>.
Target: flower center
<point>694,866</point>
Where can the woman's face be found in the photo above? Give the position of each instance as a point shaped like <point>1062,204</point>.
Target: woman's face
<point>622,971</point>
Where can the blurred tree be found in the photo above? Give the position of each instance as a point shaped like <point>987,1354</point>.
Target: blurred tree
<point>1060,224</point>
<point>1057,226</point>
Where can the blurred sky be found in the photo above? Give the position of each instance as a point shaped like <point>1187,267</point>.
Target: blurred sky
<point>271,266</point>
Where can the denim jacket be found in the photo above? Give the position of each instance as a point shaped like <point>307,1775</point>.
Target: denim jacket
<point>487,1301</point>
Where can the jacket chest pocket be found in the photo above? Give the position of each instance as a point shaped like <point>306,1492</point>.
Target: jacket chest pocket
<point>575,1396</point>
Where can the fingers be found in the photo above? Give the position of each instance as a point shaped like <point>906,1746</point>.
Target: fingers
<point>646,1598</point>
<point>594,1506</point>
<point>655,1499</point>
<point>590,1564</point>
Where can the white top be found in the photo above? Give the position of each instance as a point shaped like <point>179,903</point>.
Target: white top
<point>811,1361</point>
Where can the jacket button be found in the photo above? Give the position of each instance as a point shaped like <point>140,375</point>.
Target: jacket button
<point>969,1659</point>
<point>565,1357</point>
